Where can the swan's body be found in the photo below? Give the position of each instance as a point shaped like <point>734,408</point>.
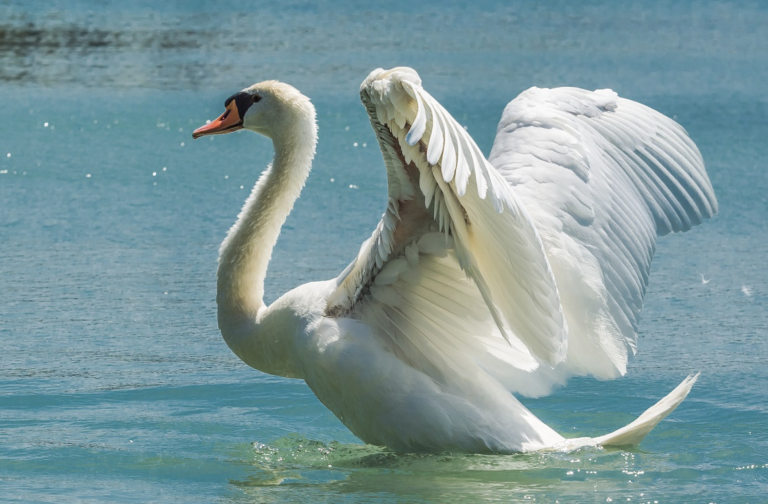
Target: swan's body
<point>483,276</point>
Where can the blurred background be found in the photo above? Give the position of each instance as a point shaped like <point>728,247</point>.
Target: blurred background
<point>115,385</point>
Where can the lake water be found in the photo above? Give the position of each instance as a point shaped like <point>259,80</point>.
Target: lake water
<point>115,385</point>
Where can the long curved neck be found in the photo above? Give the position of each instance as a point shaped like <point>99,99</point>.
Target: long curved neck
<point>247,249</point>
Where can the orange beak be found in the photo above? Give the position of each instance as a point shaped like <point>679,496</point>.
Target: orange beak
<point>227,122</point>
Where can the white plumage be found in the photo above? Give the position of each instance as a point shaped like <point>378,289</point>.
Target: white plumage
<point>484,276</point>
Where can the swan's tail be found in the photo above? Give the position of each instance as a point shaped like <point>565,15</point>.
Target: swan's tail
<point>632,434</point>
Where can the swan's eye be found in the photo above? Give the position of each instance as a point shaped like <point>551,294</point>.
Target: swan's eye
<point>256,98</point>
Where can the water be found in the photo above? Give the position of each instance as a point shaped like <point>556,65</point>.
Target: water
<point>115,385</point>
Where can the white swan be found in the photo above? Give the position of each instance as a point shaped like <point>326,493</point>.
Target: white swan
<point>483,276</point>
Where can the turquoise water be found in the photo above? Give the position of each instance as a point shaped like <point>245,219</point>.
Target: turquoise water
<point>115,385</point>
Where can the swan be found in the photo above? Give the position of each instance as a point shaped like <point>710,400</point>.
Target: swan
<point>485,278</point>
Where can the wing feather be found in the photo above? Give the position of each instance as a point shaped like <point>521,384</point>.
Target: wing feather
<point>498,270</point>
<point>541,257</point>
<point>638,175</point>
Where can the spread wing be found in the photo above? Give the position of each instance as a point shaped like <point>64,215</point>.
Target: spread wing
<point>601,177</point>
<point>455,273</point>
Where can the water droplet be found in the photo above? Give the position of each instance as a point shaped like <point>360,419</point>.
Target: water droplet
<point>355,144</point>
<point>226,176</point>
<point>346,128</point>
<point>365,144</point>
<point>87,175</point>
<point>154,174</point>
<point>45,125</point>
<point>182,144</point>
<point>353,186</point>
<point>333,179</point>
<point>164,168</point>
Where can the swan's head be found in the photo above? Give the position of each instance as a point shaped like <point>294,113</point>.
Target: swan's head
<point>271,108</point>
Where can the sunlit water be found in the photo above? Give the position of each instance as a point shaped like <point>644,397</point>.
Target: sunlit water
<point>115,385</point>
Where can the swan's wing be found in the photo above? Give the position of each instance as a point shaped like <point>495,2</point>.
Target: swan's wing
<point>455,266</point>
<point>601,177</point>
